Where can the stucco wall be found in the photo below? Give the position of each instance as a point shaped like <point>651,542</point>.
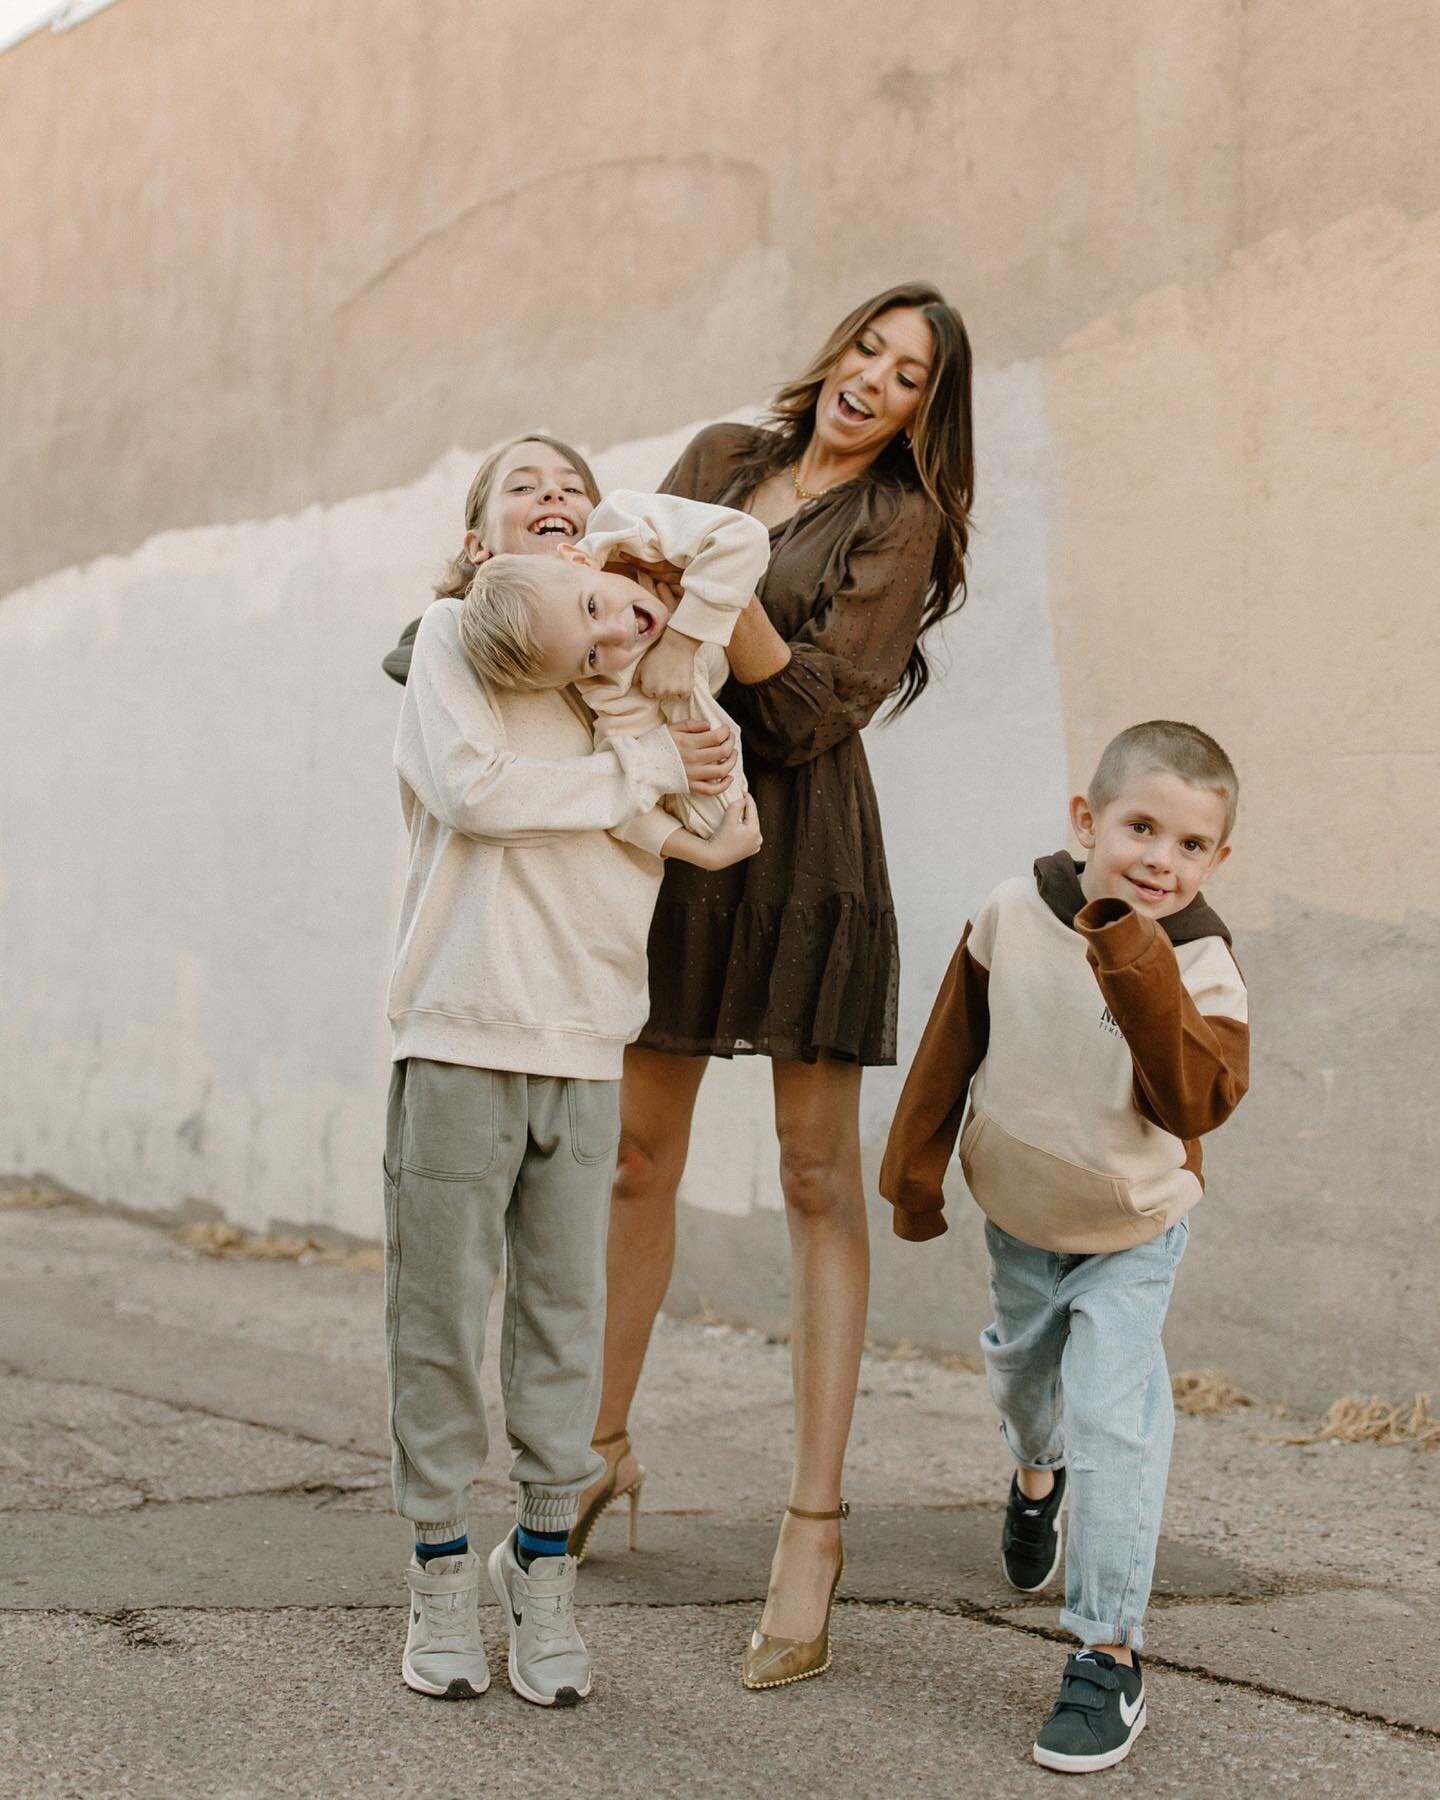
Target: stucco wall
<point>268,266</point>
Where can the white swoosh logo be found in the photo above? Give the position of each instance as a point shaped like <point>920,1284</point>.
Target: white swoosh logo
<point>1128,1713</point>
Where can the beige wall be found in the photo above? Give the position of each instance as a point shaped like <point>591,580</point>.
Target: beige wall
<point>285,256</point>
<point>277,252</point>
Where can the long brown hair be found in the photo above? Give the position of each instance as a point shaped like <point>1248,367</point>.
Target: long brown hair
<point>940,456</point>
<point>460,571</point>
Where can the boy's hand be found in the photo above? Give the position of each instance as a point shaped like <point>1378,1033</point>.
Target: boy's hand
<point>668,671</point>
<point>665,589</point>
<point>709,753</point>
<point>737,835</point>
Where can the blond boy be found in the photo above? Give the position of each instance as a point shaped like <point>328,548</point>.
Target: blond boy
<point>576,618</point>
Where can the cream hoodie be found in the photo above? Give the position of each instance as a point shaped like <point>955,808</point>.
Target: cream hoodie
<point>722,555</point>
<point>523,923</point>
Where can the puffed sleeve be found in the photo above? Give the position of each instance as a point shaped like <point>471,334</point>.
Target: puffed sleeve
<point>848,658</point>
<point>704,467</point>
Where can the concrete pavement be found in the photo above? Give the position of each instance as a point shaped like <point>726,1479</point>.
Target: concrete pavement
<point>200,1579</point>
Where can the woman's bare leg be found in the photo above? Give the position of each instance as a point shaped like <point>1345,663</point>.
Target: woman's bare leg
<point>817,1117</point>
<point>657,1103</point>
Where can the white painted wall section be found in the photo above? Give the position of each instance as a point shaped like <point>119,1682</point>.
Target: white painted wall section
<point>202,846</point>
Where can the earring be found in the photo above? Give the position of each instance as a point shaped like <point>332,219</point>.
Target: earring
<point>905,439</point>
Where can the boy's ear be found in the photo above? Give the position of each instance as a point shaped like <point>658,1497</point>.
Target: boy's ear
<point>573,553</point>
<point>1220,856</point>
<point>1082,821</point>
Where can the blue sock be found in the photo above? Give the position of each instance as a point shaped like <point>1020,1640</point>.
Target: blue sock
<point>426,1553</point>
<point>530,1544</point>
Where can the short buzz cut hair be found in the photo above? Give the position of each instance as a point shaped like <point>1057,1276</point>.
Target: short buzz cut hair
<point>501,614</point>
<point>1168,745</point>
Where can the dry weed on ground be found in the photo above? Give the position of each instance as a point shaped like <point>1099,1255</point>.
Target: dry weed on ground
<point>1352,1420</point>
<point>1209,1391</point>
<point>216,1238</point>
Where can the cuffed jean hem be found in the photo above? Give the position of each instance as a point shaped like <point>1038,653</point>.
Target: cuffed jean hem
<point>1043,1465</point>
<point>1096,1636</point>
<point>546,1509</point>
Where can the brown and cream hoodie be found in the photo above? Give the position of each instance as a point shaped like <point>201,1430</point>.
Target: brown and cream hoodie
<point>1096,1046</point>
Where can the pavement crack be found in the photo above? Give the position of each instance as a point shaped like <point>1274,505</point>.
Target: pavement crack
<point>322,1490</point>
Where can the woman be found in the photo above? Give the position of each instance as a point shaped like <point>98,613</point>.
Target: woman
<point>864,474</point>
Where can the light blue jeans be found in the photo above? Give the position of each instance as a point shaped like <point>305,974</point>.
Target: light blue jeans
<point>1078,1372</point>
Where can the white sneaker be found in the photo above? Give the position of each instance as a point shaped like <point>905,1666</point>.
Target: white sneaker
<point>444,1654</point>
<point>549,1663</point>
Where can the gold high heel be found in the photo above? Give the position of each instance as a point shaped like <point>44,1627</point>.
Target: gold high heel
<point>606,1498</point>
<point>771,1662</point>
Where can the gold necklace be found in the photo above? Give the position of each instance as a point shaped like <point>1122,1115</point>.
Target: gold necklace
<point>804,493</point>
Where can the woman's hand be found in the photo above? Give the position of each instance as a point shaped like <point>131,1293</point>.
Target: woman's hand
<point>668,671</point>
<point>709,753</point>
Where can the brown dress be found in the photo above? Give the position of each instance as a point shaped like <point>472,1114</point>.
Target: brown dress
<point>793,954</point>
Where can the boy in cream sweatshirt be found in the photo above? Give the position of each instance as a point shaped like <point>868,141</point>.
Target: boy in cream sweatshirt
<point>533,622</point>
<point>1095,1021</point>
<point>519,977</point>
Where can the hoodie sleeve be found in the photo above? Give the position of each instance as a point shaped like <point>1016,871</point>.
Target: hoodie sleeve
<point>396,662</point>
<point>1190,1049</point>
<point>450,755</point>
<point>651,831</point>
<point>932,1102</point>
<point>721,554</point>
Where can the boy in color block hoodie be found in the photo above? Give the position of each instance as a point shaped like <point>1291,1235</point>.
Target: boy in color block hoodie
<point>1095,1021</point>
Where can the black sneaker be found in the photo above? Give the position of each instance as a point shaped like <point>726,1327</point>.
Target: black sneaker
<point>1099,1715</point>
<point>1031,1544</point>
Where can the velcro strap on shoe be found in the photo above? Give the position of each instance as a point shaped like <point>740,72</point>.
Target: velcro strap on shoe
<point>1076,1697</point>
<point>1086,1684</point>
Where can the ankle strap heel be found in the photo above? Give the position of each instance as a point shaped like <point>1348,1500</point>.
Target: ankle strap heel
<point>604,1496</point>
<point>771,1662</point>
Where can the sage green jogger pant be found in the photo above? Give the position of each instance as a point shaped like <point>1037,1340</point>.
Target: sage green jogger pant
<point>482,1164</point>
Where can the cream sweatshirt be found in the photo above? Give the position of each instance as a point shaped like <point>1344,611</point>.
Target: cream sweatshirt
<point>523,922</point>
<point>722,555</point>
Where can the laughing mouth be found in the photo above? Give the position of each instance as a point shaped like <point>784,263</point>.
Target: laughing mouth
<point>551,525</point>
<point>644,622</point>
<point>851,407</point>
